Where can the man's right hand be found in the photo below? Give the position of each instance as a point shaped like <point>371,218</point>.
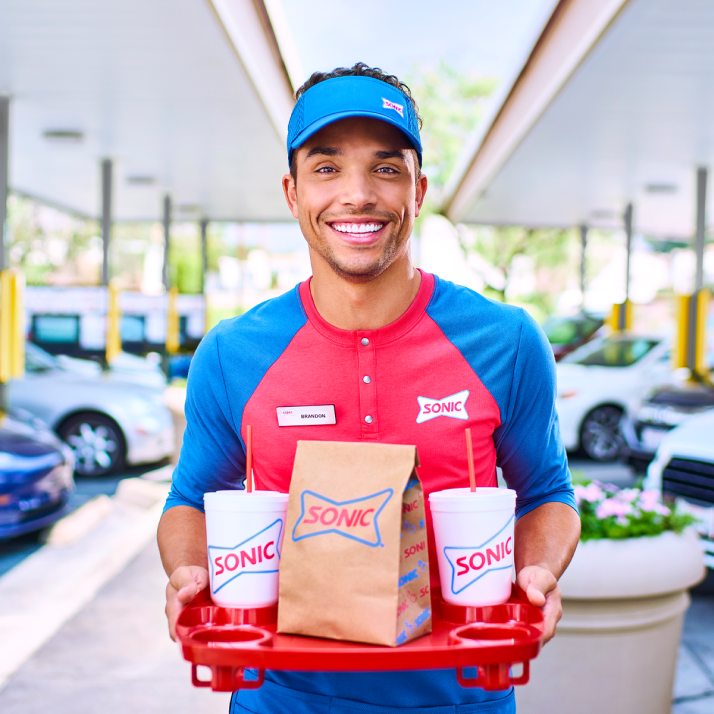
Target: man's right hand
<point>184,584</point>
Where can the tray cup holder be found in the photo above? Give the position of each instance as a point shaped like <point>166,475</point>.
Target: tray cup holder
<point>491,676</point>
<point>228,679</point>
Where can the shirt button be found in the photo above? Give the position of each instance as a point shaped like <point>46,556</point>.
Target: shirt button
<point>368,419</point>
<point>366,379</point>
<point>365,341</point>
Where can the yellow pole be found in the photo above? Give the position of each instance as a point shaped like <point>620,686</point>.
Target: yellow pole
<point>172,326</point>
<point>5,326</point>
<point>703,298</point>
<point>17,357</point>
<point>113,323</point>
<point>620,317</point>
<point>679,353</point>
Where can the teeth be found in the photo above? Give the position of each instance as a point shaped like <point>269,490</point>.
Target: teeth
<point>357,227</point>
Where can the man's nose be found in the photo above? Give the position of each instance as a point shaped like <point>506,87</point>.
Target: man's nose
<point>357,191</point>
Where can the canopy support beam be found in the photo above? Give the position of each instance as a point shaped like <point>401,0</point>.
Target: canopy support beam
<point>167,240</point>
<point>700,235</point>
<point>106,218</point>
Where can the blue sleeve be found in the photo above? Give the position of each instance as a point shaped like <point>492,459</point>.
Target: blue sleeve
<point>529,448</point>
<point>513,359</point>
<point>212,456</point>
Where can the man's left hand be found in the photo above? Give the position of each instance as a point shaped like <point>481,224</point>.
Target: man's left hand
<point>542,590</point>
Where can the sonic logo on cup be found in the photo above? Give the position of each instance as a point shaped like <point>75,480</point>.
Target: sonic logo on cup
<point>471,564</point>
<point>356,519</point>
<point>257,555</point>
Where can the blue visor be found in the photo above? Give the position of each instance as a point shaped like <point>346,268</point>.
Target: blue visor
<point>343,97</point>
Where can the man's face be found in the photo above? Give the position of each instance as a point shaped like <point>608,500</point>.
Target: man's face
<point>356,196</point>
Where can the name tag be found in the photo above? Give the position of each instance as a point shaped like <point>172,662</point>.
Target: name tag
<point>306,416</point>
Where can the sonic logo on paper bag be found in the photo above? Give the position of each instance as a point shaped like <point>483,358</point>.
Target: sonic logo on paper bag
<point>256,555</point>
<point>470,564</point>
<point>356,519</point>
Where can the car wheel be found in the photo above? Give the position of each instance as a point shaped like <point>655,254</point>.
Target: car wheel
<point>97,443</point>
<point>600,436</point>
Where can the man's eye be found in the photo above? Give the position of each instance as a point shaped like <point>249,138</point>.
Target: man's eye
<point>387,170</point>
<point>325,170</point>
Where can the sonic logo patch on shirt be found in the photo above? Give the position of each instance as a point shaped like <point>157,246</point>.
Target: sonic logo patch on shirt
<point>306,416</point>
<point>453,406</point>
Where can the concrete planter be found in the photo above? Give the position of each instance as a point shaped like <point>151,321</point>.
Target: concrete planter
<point>616,648</point>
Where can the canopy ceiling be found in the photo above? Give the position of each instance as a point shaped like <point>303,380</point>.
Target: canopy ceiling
<point>188,97</point>
<point>614,105</point>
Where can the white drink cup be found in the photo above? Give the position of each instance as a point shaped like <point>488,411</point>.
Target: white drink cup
<point>474,543</point>
<point>245,536</point>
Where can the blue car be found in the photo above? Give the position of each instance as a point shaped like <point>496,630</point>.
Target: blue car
<point>35,476</point>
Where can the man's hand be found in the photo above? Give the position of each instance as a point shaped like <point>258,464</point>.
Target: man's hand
<point>185,583</point>
<point>542,590</point>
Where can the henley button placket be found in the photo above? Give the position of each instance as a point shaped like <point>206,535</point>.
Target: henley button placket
<point>367,385</point>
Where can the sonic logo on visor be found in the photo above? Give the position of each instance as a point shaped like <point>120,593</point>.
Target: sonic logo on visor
<point>355,519</point>
<point>453,406</point>
<point>398,108</point>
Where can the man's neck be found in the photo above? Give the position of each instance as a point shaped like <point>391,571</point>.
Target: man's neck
<point>364,306</point>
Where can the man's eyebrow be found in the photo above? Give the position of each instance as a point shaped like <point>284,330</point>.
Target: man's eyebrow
<point>397,154</point>
<point>323,151</point>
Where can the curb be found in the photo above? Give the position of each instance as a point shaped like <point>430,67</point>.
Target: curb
<point>50,586</point>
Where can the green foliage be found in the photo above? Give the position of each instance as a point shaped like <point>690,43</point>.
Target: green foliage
<point>451,104</point>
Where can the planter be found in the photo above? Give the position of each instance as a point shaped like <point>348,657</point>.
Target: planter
<point>616,647</point>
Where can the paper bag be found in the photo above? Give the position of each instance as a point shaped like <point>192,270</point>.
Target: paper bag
<point>355,562</point>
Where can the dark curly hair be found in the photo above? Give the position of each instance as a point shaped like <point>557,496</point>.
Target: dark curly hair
<point>360,69</point>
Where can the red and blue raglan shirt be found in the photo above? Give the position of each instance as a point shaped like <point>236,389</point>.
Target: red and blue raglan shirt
<point>454,359</point>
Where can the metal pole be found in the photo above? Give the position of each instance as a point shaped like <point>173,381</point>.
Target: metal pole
<point>167,231</point>
<point>700,235</point>
<point>204,253</point>
<point>106,226</point>
<point>4,163</point>
<point>583,246</point>
<point>628,238</point>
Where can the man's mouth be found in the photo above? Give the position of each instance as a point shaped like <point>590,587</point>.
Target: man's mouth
<point>358,233</point>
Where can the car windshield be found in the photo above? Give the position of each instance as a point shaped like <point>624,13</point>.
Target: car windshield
<point>37,360</point>
<point>560,331</point>
<point>617,353</point>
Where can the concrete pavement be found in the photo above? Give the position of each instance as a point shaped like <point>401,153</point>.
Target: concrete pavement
<point>113,657</point>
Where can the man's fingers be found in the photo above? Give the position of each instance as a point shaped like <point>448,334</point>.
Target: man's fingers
<point>185,583</point>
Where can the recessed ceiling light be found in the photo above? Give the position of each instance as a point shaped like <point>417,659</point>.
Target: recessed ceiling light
<point>661,188</point>
<point>141,180</point>
<point>603,213</point>
<point>189,208</point>
<point>64,136</point>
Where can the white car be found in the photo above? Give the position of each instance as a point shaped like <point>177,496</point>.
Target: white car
<point>683,468</point>
<point>108,420</point>
<point>598,381</point>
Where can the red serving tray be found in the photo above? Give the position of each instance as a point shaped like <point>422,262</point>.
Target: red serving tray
<point>491,639</point>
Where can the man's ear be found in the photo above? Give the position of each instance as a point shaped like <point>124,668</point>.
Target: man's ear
<point>421,186</point>
<point>290,191</point>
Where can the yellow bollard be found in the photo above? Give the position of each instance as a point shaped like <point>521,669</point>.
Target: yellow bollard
<point>12,326</point>
<point>172,322</point>
<point>113,322</point>
<point>620,317</point>
<point>691,339</point>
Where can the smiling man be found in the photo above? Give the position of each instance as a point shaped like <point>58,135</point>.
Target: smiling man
<point>378,339</point>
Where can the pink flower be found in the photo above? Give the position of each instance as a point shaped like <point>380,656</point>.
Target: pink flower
<point>649,501</point>
<point>629,495</point>
<point>590,493</point>
<point>613,507</point>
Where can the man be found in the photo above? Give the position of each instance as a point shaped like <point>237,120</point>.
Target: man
<point>369,333</point>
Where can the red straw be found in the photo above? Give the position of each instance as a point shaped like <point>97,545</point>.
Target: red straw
<point>249,459</point>
<point>469,457</point>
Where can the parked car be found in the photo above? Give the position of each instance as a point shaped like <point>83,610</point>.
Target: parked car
<point>35,477</point>
<point>598,381</point>
<point>566,334</point>
<point>683,470</point>
<point>647,421</point>
<point>107,421</point>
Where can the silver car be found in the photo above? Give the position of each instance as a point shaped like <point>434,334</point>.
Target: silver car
<point>107,419</point>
